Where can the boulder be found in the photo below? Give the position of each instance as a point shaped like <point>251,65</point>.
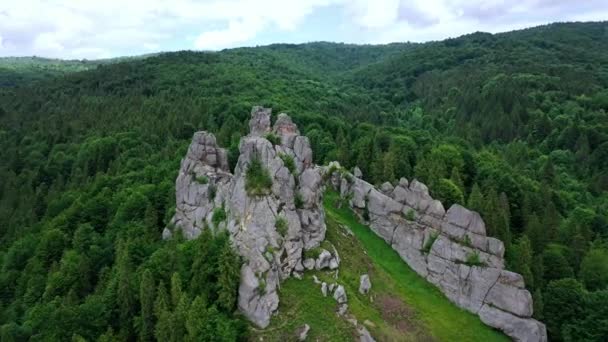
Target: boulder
<point>386,188</point>
<point>302,332</point>
<point>519,329</point>
<point>364,335</point>
<point>309,263</point>
<point>324,289</point>
<point>511,299</point>
<point>357,172</point>
<point>259,124</point>
<point>323,260</point>
<point>364,284</point>
<point>340,295</point>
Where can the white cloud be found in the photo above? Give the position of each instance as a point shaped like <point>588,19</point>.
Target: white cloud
<point>238,31</point>
<point>95,29</point>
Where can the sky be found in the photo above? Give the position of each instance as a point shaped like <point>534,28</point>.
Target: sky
<point>79,29</point>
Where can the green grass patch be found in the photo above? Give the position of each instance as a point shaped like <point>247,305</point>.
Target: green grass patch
<point>281,225</point>
<point>440,318</point>
<point>257,179</point>
<point>201,179</point>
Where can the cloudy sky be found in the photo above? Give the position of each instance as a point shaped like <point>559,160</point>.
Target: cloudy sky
<point>110,28</point>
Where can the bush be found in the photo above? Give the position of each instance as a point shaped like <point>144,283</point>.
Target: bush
<point>281,225</point>
<point>257,179</point>
<point>219,216</point>
<point>448,192</point>
<point>273,138</point>
<point>298,201</point>
<point>411,215</point>
<point>211,192</point>
<point>289,163</point>
<point>473,260</point>
<point>201,179</point>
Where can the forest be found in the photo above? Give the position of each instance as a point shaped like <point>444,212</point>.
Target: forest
<point>512,125</point>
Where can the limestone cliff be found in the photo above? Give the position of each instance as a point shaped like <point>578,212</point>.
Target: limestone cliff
<point>269,230</point>
<point>449,249</point>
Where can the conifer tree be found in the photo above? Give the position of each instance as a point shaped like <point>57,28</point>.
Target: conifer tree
<point>146,299</point>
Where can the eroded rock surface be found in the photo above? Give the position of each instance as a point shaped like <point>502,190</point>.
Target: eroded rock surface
<point>448,248</point>
<point>267,230</point>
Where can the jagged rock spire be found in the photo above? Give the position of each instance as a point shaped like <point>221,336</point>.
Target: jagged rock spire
<point>269,231</point>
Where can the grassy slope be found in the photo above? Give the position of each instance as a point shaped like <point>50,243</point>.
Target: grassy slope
<point>402,306</point>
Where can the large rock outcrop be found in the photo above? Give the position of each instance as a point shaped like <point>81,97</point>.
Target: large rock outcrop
<point>450,249</point>
<point>269,229</point>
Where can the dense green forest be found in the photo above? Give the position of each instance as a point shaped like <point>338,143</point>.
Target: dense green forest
<point>513,125</point>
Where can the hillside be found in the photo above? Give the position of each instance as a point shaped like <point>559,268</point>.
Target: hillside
<point>513,125</point>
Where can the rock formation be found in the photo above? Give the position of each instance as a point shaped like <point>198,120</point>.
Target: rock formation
<point>272,226</point>
<point>269,229</point>
<point>449,249</point>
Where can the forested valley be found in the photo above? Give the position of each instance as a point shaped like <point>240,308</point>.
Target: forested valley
<point>512,125</point>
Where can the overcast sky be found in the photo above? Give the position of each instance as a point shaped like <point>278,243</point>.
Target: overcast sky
<point>110,28</point>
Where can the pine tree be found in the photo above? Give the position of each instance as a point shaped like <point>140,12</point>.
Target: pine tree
<point>228,278</point>
<point>146,298</point>
<point>176,289</point>
<point>535,231</point>
<point>521,260</point>
<point>456,178</point>
<point>125,294</point>
<point>178,319</point>
<point>476,201</point>
<point>162,328</point>
<point>197,323</point>
<point>389,167</point>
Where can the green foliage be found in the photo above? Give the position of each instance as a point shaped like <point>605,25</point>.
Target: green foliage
<point>201,179</point>
<point>448,192</point>
<point>410,215</point>
<point>474,260</point>
<point>219,216</point>
<point>273,138</point>
<point>257,179</point>
<point>211,192</point>
<point>281,225</point>
<point>289,163</point>
<point>594,269</point>
<point>565,301</point>
<point>298,200</point>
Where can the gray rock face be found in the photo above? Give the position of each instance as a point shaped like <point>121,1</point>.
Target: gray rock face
<point>364,284</point>
<point>439,245</point>
<point>520,329</point>
<point>340,295</point>
<point>270,255</point>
